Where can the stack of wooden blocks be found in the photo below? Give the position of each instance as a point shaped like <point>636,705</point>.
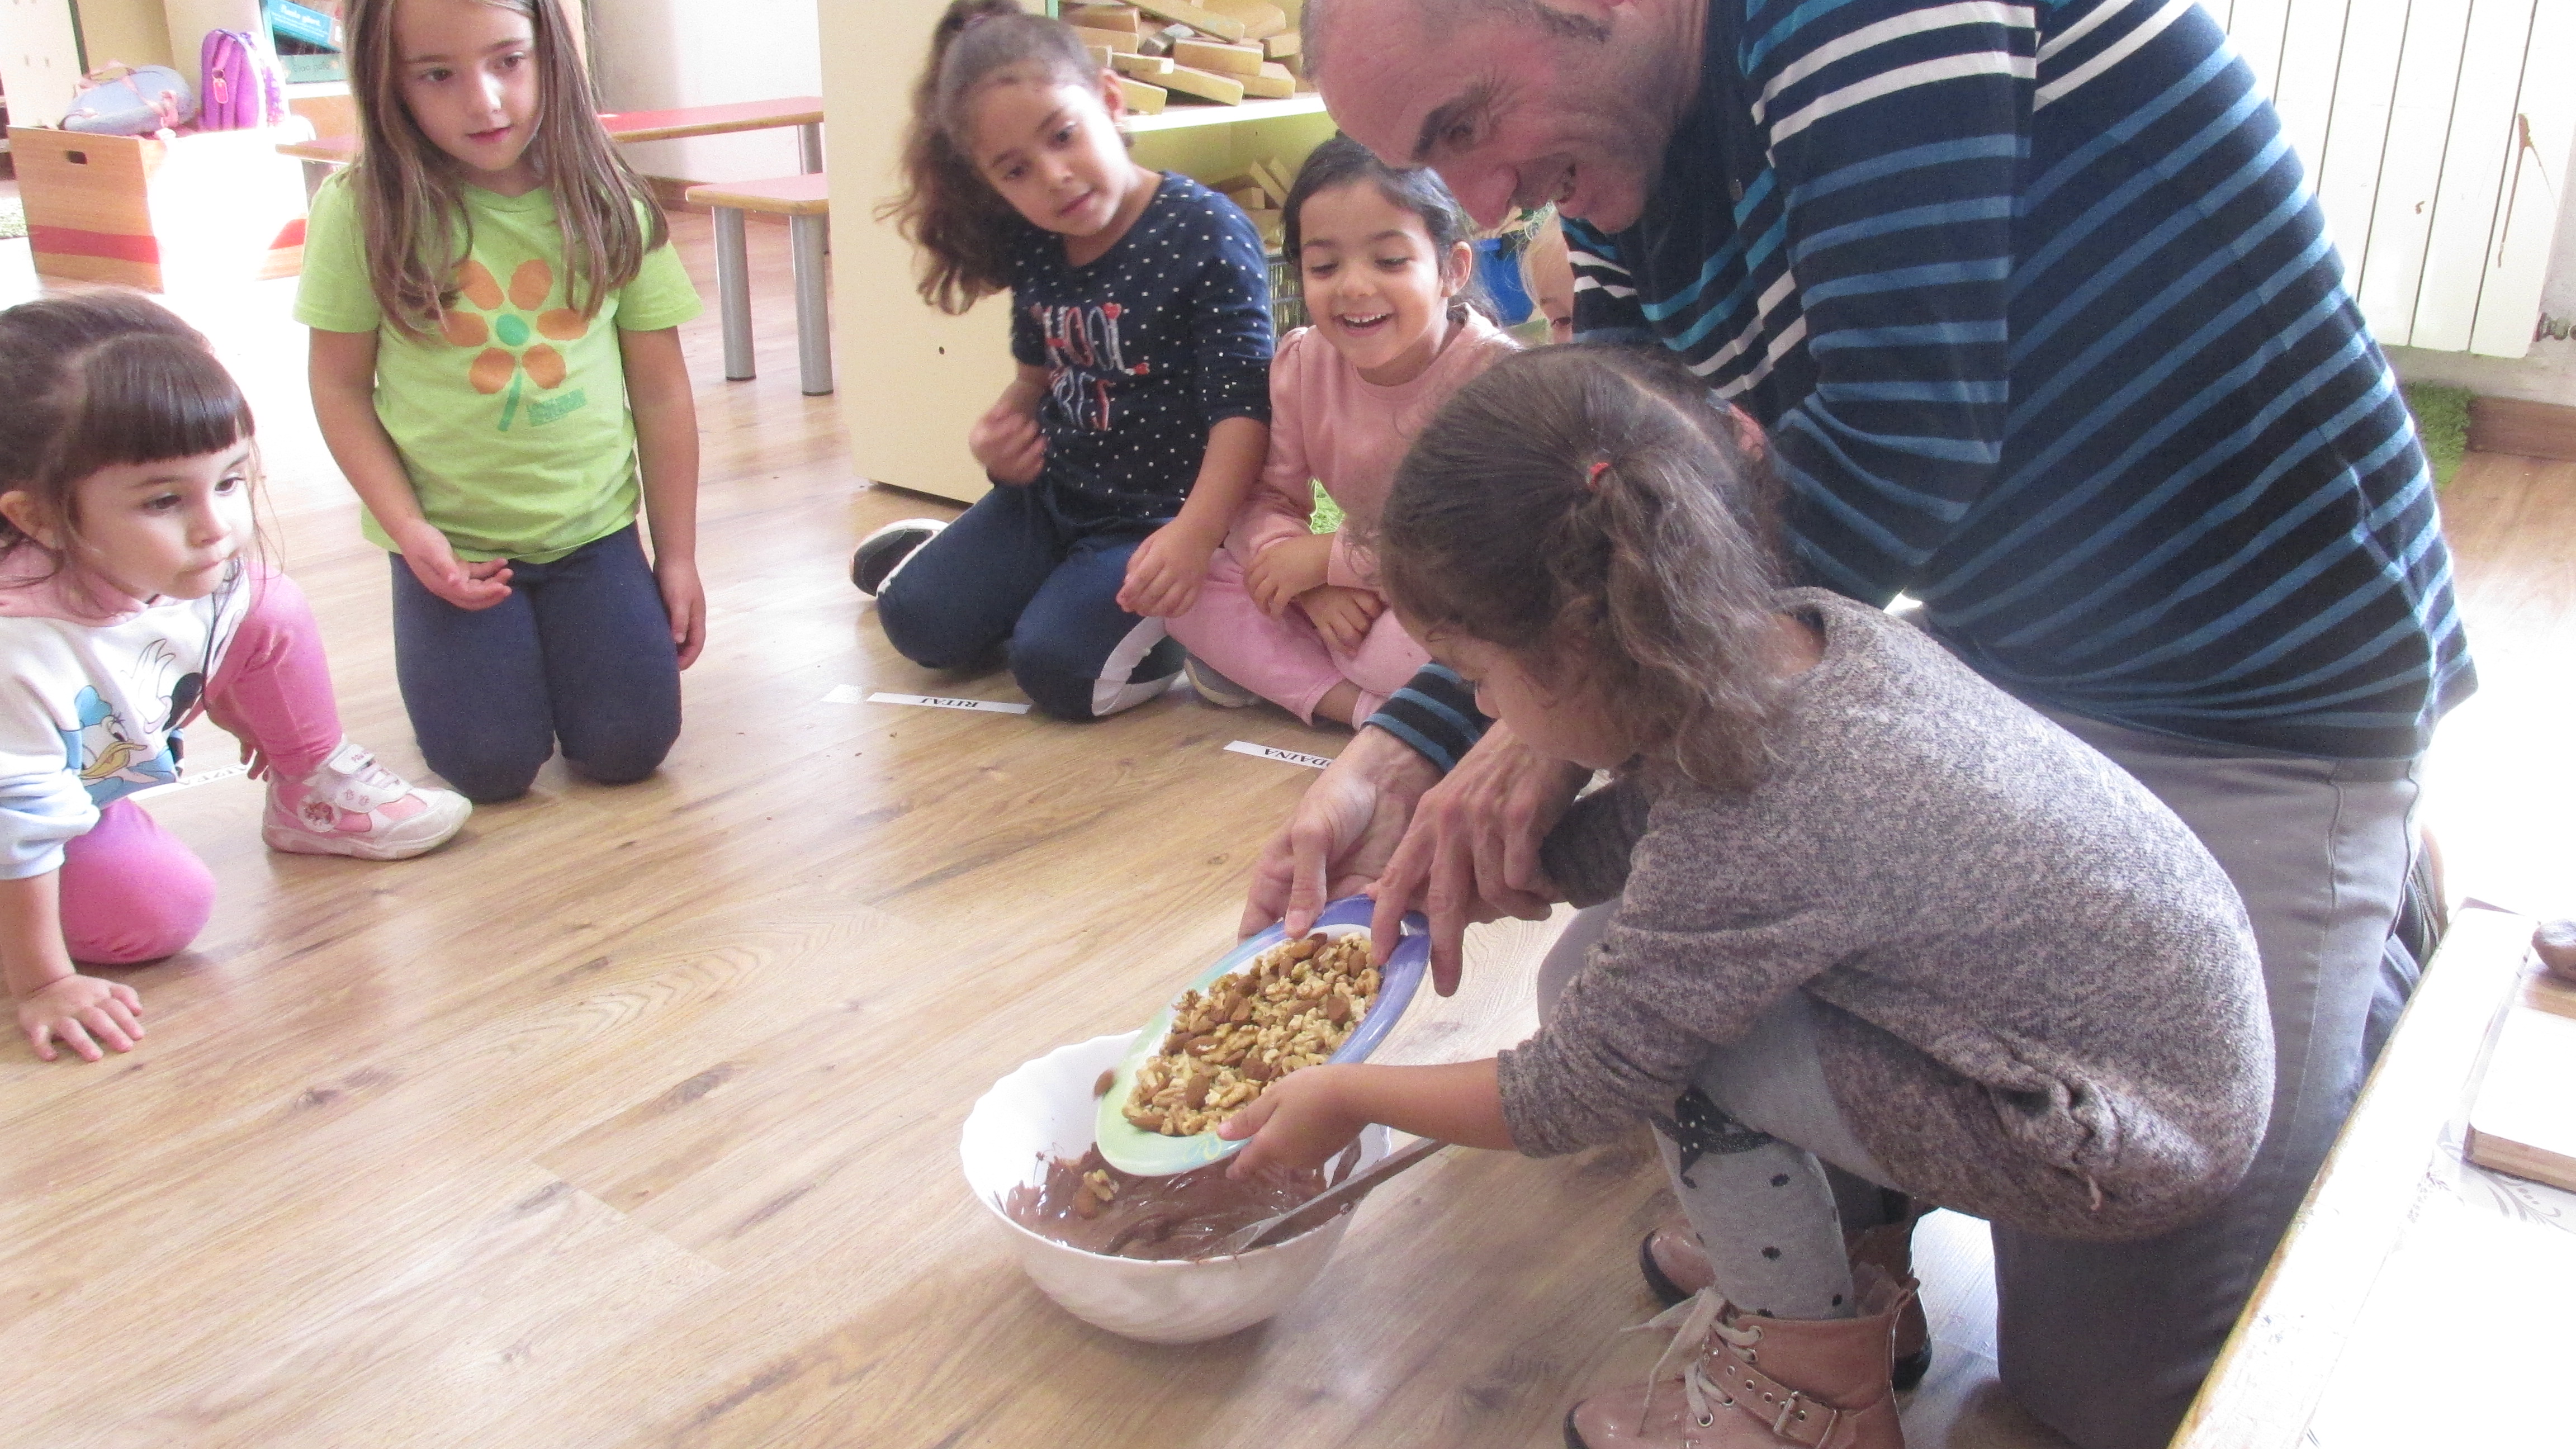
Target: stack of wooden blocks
<point>1262,191</point>
<point>1220,52</point>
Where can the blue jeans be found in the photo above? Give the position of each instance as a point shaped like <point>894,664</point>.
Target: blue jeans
<point>1009,574</point>
<point>580,652</point>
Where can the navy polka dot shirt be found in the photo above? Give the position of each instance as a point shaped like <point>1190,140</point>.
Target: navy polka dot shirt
<point>1163,337</point>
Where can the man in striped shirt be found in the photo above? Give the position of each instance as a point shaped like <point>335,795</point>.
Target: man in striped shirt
<point>2047,333</point>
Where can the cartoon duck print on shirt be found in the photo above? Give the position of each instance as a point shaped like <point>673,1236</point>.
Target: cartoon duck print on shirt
<point>511,357</point>
<point>1083,356</point>
<point>111,758</point>
<point>102,754</point>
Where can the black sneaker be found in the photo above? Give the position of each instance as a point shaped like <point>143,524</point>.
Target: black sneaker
<point>882,553</point>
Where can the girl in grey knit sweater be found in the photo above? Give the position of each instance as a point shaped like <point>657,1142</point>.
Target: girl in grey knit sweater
<point>1870,908</point>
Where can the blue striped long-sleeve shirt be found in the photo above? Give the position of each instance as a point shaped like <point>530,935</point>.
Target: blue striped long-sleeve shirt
<point>2044,322</point>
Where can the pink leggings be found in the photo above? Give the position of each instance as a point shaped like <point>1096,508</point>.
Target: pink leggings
<point>130,891</point>
<point>1285,660</point>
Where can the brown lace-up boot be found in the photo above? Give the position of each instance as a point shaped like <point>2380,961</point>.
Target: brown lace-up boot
<point>1760,1383</point>
<point>1675,1267</point>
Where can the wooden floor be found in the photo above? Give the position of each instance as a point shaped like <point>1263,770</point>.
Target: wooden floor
<point>631,1118</point>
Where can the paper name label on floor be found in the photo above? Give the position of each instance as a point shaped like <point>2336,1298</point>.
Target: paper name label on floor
<point>1285,757</point>
<point>846,694</point>
<point>190,781</point>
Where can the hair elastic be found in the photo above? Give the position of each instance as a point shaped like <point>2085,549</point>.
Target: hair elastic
<point>1592,477</point>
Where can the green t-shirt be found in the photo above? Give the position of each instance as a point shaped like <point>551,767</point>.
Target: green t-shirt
<point>511,419</point>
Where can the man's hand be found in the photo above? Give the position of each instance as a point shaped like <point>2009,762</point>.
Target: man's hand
<point>1343,616</point>
<point>1471,851</point>
<point>1342,834</point>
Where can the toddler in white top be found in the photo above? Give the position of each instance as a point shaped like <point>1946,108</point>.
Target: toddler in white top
<point>131,599</point>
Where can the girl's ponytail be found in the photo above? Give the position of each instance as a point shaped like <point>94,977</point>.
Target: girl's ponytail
<point>1594,510</point>
<point>961,224</point>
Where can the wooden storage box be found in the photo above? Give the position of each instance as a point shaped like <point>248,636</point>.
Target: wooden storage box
<point>221,208</point>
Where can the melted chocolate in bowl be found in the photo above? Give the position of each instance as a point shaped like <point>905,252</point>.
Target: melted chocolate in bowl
<point>1182,1216</point>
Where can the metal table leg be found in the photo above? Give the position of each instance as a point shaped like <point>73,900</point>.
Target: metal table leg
<point>733,293</point>
<point>813,304</point>
<point>809,147</point>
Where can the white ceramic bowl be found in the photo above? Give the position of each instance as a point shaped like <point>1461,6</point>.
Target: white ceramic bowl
<point>1046,1107</point>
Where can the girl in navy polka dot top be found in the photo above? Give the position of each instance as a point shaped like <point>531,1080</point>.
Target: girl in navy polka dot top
<point>1137,423</point>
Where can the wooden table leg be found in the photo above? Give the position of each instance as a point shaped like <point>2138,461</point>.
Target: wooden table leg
<point>733,293</point>
<point>813,304</point>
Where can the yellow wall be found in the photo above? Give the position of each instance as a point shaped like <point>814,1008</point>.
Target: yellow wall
<point>133,31</point>
<point>910,380</point>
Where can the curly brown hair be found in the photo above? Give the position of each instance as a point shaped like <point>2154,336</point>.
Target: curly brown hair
<point>1596,511</point>
<point>961,224</point>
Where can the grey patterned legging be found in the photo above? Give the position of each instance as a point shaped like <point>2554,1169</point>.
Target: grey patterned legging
<point>1744,1153</point>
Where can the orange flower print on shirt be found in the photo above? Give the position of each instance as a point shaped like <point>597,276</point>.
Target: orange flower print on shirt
<point>507,336</point>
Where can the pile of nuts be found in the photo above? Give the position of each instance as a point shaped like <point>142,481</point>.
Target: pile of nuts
<point>1292,1006</point>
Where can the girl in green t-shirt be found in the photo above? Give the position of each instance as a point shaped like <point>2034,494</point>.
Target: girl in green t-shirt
<point>496,365</point>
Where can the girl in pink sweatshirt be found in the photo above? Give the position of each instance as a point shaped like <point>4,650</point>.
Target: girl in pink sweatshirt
<point>1288,614</point>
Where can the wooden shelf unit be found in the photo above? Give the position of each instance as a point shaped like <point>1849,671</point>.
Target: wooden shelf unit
<point>912,380</point>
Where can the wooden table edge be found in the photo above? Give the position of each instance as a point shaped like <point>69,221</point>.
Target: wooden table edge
<point>2272,1373</point>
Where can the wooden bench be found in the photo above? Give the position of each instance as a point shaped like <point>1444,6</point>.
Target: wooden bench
<point>805,113</point>
<point>805,202</point>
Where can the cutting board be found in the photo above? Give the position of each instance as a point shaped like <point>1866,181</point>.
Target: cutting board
<point>2525,1118</point>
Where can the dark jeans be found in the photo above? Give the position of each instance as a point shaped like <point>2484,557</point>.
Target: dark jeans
<point>581,651</point>
<point>1008,572</point>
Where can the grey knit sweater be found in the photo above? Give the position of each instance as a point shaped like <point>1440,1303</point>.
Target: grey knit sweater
<point>2040,1002</point>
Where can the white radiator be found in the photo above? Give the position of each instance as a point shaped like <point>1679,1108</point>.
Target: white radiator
<point>2434,133</point>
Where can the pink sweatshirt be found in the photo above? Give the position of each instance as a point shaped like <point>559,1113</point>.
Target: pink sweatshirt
<point>1328,424</point>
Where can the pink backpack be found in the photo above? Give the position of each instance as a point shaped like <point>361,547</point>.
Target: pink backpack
<point>242,88</point>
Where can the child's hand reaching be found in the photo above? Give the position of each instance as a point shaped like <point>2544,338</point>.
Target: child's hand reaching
<point>1343,616</point>
<point>75,1009</point>
<point>1298,1121</point>
<point>1286,570</point>
<point>1005,440</point>
<point>1165,572</point>
<point>1305,1117</point>
<point>434,562</point>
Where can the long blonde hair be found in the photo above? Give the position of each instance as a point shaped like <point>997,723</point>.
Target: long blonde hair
<point>409,212</point>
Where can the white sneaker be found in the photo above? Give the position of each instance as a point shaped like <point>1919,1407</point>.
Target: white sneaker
<point>354,806</point>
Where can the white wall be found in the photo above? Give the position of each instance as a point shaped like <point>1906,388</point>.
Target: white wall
<point>652,54</point>
<point>2548,373</point>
